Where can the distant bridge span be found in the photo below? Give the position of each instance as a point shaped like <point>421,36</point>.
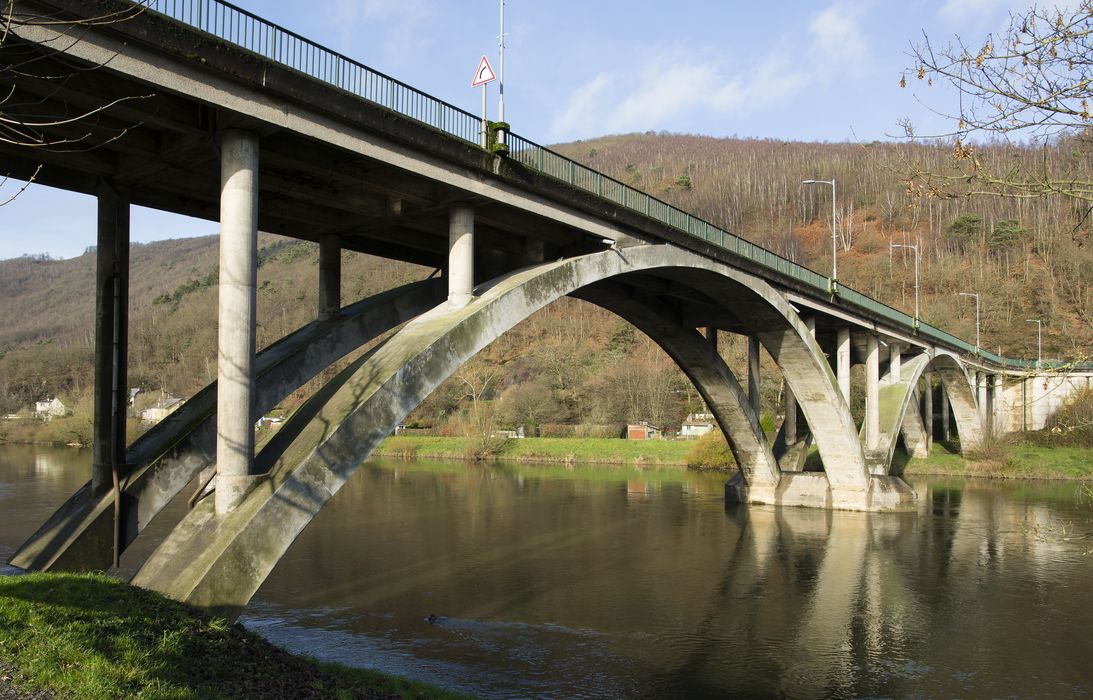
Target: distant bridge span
<point>212,112</point>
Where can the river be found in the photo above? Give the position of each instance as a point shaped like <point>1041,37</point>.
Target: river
<point>551,581</point>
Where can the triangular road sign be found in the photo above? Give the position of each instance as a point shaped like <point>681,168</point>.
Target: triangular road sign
<point>484,74</point>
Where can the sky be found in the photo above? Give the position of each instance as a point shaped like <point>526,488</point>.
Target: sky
<point>788,69</point>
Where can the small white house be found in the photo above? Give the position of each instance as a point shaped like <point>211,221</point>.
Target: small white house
<point>161,409</point>
<point>49,409</point>
<point>697,424</point>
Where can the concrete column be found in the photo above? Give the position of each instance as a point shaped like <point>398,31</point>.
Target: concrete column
<point>995,404</point>
<point>946,430</point>
<point>330,277</point>
<point>984,401</point>
<point>111,336</point>
<point>711,340</point>
<point>753,373</point>
<point>533,251</point>
<point>895,362</point>
<point>872,393</point>
<point>460,255</point>
<point>842,362</point>
<point>928,409</point>
<point>791,414</point>
<point>238,276</point>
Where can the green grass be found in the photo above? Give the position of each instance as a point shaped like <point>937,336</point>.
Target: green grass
<point>563,450</point>
<point>1015,461</point>
<point>91,636</point>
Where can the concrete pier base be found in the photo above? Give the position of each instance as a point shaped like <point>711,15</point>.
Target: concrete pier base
<point>812,490</point>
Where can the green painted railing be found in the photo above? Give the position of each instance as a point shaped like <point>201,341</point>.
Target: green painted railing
<point>252,33</point>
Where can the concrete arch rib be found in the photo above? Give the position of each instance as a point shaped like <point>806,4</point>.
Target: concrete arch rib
<point>219,562</point>
<point>712,378</point>
<point>969,425</point>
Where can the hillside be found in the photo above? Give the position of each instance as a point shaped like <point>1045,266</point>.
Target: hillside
<point>573,363</point>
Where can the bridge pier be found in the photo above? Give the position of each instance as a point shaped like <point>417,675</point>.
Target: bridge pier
<point>330,277</point>
<point>872,392</point>
<point>946,430</point>
<point>460,255</point>
<point>982,398</point>
<point>111,335</point>
<point>753,374</point>
<point>928,409</point>
<point>895,362</point>
<point>238,282</point>
<point>842,361</point>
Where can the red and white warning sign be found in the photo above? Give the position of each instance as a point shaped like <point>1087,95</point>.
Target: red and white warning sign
<point>484,74</point>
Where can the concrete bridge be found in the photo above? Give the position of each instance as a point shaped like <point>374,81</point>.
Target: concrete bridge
<point>199,108</point>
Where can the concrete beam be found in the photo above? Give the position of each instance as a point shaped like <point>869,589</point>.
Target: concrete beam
<point>238,282</point>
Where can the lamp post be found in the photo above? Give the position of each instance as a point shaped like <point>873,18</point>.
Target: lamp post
<point>834,232</point>
<point>913,247</point>
<point>970,294</point>
<point>1038,355</point>
<point>501,83</point>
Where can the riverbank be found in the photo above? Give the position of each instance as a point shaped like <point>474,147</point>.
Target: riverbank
<point>1013,460</point>
<point>88,635</point>
<point>542,450</point>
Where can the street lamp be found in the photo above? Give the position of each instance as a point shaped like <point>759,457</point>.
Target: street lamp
<point>834,231</point>
<point>970,294</point>
<point>1037,322</point>
<point>913,247</point>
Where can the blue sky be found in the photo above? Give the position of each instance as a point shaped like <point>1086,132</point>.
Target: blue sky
<point>786,69</point>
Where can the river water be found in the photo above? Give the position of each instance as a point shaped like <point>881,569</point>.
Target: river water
<point>605,582</point>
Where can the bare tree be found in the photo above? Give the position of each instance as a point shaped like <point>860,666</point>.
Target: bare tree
<point>33,120</point>
<point>1027,86</point>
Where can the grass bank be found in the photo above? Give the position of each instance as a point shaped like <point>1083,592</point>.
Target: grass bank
<point>91,636</point>
<point>548,450</point>
<point>1008,460</point>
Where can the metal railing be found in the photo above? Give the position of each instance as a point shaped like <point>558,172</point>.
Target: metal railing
<point>252,33</point>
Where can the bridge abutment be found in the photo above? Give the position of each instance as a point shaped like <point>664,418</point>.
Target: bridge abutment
<point>236,343</point>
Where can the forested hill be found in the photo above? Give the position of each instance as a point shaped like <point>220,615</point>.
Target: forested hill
<point>573,363</point>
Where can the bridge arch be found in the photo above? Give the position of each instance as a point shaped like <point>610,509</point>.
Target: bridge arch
<point>896,405</point>
<point>218,562</point>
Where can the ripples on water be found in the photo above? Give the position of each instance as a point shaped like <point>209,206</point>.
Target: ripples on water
<point>586,582</point>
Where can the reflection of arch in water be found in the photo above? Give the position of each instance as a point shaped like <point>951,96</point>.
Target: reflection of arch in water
<point>219,562</point>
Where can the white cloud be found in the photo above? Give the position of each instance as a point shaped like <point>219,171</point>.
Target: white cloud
<point>665,87</point>
<point>398,23</point>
